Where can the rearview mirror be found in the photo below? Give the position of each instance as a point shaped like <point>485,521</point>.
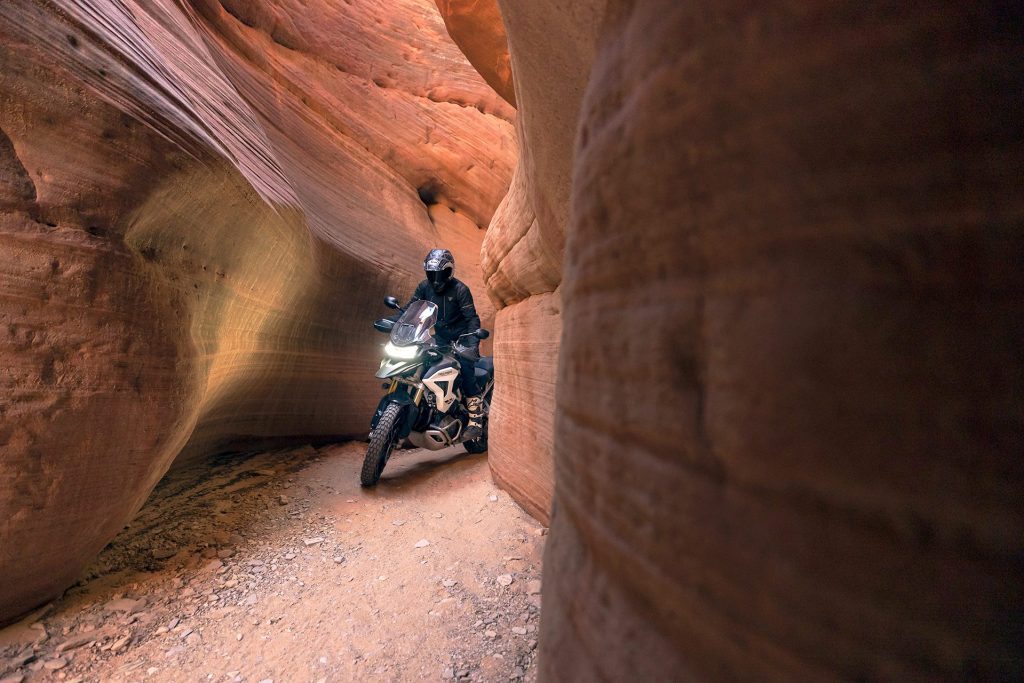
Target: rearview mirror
<point>481,334</point>
<point>384,325</point>
<point>391,302</point>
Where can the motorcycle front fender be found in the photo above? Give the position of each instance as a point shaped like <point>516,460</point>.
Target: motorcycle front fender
<point>407,417</point>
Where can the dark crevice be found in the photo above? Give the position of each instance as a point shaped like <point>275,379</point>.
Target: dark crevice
<point>428,192</point>
<point>16,186</point>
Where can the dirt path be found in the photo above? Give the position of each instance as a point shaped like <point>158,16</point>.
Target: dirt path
<point>279,567</point>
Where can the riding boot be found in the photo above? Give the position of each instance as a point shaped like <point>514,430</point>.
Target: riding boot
<point>475,408</point>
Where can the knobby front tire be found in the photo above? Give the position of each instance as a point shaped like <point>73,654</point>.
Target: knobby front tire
<point>382,442</point>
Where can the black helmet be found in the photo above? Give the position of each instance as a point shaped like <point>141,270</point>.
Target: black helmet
<point>440,267</point>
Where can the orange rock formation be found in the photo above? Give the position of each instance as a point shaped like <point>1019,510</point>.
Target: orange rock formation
<point>477,28</point>
<point>201,206</point>
<point>770,253</point>
<point>788,431</point>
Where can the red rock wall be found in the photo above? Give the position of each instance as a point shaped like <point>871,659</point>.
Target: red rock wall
<point>477,28</point>
<point>201,207</point>
<point>523,249</point>
<point>791,392</point>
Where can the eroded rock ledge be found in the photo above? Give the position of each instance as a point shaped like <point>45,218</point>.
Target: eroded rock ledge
<point>200,208</point>
<point>788,419</point>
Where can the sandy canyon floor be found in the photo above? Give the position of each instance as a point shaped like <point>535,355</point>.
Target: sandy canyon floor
<point>278,567</point>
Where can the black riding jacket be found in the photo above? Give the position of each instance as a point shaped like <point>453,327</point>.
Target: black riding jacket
<point>456,314</point>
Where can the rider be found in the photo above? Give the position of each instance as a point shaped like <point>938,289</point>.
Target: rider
<point>456,315</point>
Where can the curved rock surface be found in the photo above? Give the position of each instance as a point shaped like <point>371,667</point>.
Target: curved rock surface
<point>201,206</point>
<point>791,390</point>
<point>477,28</point>
<point>524,245</point>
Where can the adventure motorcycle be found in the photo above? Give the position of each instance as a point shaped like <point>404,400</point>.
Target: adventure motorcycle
<point>424,400</point>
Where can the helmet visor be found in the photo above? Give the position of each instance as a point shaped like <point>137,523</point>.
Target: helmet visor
<point>439,278</point>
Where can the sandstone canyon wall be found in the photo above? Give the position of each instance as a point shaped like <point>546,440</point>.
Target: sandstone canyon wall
<point>477,28</point>
<point>201,206</point>
<point>791,390</point>
<point>550,49</point>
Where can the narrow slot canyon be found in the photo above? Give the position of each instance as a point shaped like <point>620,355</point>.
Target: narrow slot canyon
<point>753,281</point>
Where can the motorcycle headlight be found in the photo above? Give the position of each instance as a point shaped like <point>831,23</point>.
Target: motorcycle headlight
<point>401,352</point>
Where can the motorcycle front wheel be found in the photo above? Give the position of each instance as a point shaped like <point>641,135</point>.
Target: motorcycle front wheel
<point>382,442</point>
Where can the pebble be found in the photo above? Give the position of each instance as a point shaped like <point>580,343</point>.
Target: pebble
<point>448,583</point>
<point>493,498</point>
<point>125,605</point>
<point>533,587</point>
<point>312,541</point>
<point>120,643</point>
<point>339,559</point>
<point>282,499</point>
<point>289,556</point>
<point>490,634</point>
<point>173,623</point>
<point>505,579</point>
<point>77,641</point>
<point>151,670</point>
<point>238,636</point>
<point>422,543</point>
<point>542,531</point>
<point>398,522</point>
<point>54,664</point>
<point>519,630</point>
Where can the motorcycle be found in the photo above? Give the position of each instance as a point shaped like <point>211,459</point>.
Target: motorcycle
<point>423,401</point>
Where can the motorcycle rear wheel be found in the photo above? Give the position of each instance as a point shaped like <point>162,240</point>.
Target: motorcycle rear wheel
<point>382,442</point>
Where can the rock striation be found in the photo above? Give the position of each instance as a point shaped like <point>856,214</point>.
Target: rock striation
<point>477,28</point>
<point>523,249</point>
<point>201,206</point>
<point>790,406</point>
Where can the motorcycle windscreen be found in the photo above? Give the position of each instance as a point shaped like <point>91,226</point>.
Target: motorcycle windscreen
<point>414,325</point>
